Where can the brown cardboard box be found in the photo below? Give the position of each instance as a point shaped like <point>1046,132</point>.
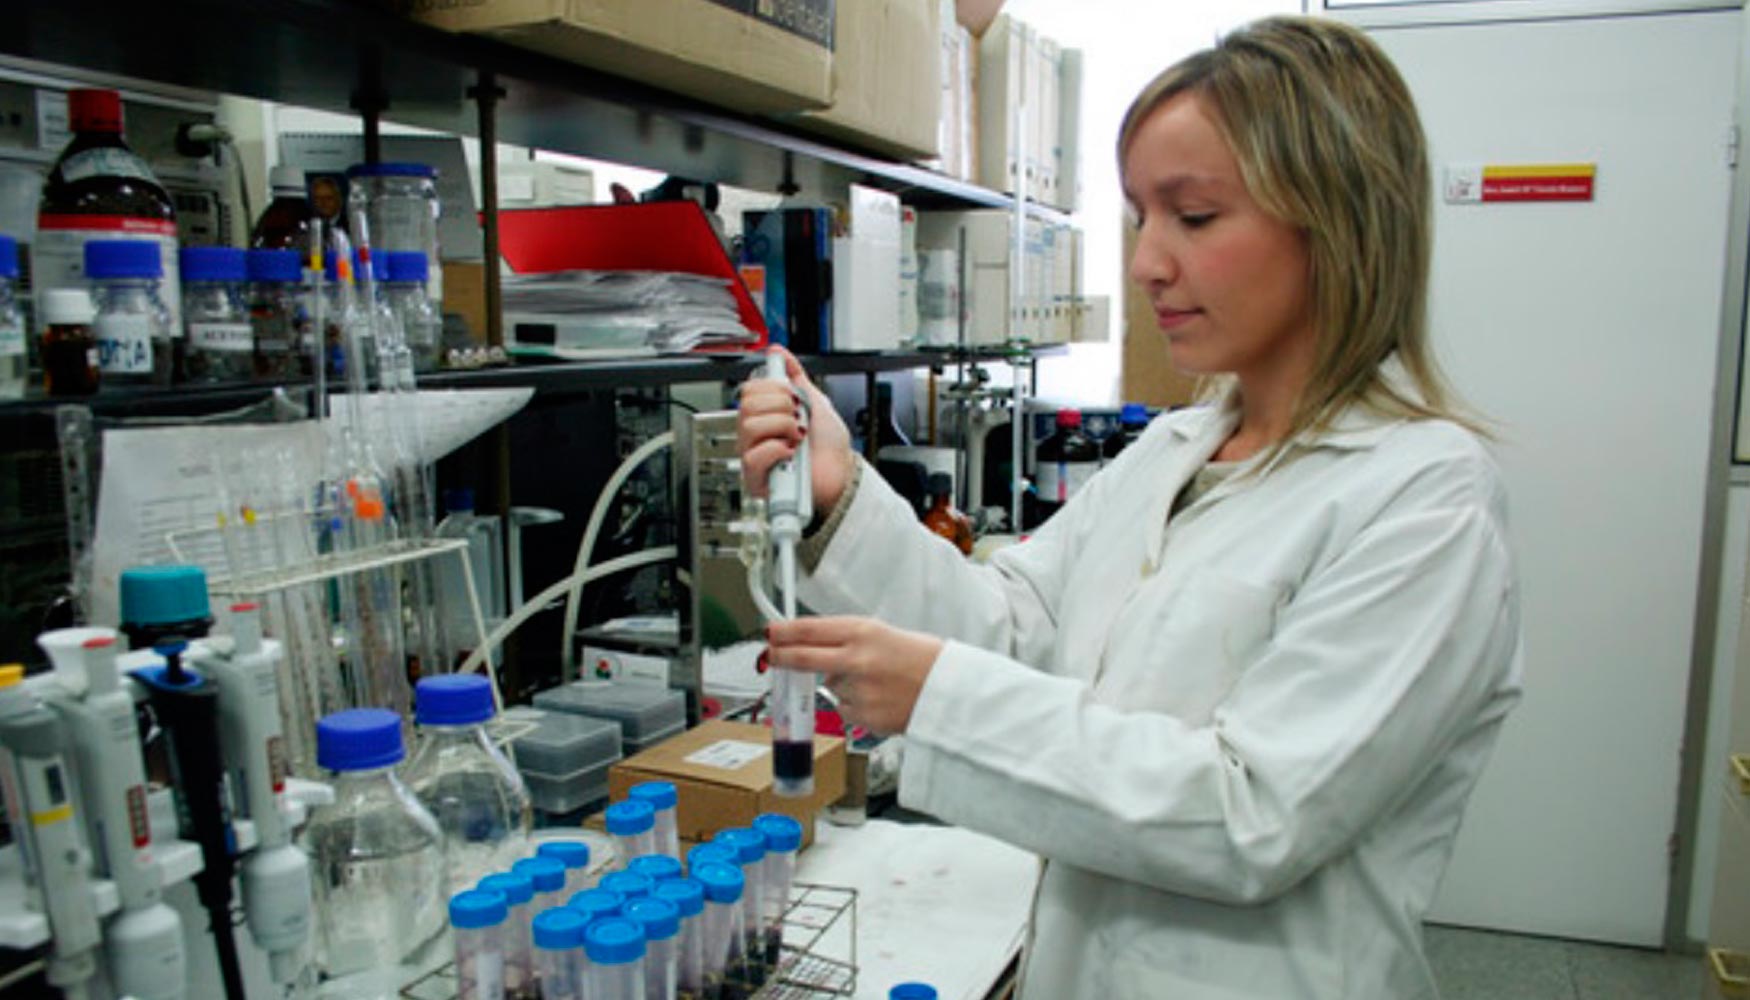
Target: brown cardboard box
<point>707,49</point>
<point>465,295</point>
<point>1147,372</point>
<point>728,781</point>
<point>887,89</point>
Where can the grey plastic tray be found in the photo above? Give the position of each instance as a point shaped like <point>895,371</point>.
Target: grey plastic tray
<point>565,793</point>
<point>563,743</point>
<point>642,710</point>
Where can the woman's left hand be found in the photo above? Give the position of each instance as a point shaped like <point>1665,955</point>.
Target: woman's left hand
<point>876,670</point>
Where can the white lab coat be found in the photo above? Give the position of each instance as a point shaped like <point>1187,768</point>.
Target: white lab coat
<point>1241,741</point>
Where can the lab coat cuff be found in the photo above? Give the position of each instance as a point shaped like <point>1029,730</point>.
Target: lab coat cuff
<point>947,689</point>
<point>858,561</point>
<point>815,542</point>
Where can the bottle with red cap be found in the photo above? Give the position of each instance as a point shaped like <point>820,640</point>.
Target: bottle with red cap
<point>98,189</point>
<point>1064,462</point>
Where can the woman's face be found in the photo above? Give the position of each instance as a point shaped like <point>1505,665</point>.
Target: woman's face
<point>1230,284</point>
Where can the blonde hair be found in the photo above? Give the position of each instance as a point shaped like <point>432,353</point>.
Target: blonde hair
<point>1328,140</point>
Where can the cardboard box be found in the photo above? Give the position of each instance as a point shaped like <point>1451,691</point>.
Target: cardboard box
<point>886,93</point>
<point>723,774</point>
<point>770,63</point>
<point>465,295</point>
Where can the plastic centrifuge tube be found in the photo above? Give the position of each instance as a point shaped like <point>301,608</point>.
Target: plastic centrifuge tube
<point>661,921</point>
<point>724,975</point>
<point>749,846</point>
<point>662,798</point>
<point>519,971</point>
<point>558,940</point>
<point>574,855</point>
<point>548,877</point>
<point>593,905</point>
<point>688,897</point>
<point>478,918</point>
<point>658,868</point>
<point>778,873</point>
<point>630,885</point>
<point>615,947</point>
<point>632,823</point>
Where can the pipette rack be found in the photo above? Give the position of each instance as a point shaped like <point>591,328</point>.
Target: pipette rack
<point>819,958</point>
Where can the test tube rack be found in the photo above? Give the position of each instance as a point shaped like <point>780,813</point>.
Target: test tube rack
<point>819,957</point>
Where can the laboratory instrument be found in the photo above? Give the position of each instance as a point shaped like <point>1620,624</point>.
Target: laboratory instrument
<point>777,875</point>
<point>14,359</point>
<point>662,798</point>
<point>629,884</point>
<point>615,947</point>
<point>378,858</point>
<point>749,846</point>
<point>574,855</point>
<point>143,942</point>
<point>632,824</point>
<point>658,868</point>
<point>464,780</point>
<point>558,940</point>
<point>39,805</point>
<point>519,969</point>
<point>98,189</point>
<point>221,344</point>
<point>547,875</point>
<point>478,918</point>
<point>136,341</point>
<point>725,971</point>
<point>688,897</point>
<point>69,348</point>
<point>661,921</point>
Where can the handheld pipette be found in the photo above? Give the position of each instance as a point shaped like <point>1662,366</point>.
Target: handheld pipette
<point>789,507</point>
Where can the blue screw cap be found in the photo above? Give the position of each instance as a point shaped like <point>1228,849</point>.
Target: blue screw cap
<point>8,257</point>
<point>660,794</point>
<point>630,818</point>
<point>452,700</point>
<point>912,991</point>
<point>1133,414</point>
<point>123,259</point>
<point>275,265</point>
<point>547,874</point>
<point>406,266</point>
<point>596,903</point>
<point>214,264</point>
<point>476,908</point>
<point>661,919</point>
<point>559,928</point>
<point>723,883</point>
<point>687,894</point>
<point>712,854</point>
<point>570,853</point>
<point>749,845</point>
<point>657,868</point>
<point>516,887</point>
<point>390,170</point>
<point>359,739</point>
<point>614,941</point>
<point>782,833</point>
<point>628,884</point>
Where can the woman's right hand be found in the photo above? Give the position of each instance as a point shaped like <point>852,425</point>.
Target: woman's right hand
<point>768,430</point>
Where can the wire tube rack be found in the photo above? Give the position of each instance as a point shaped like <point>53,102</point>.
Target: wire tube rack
<point>819,956</point>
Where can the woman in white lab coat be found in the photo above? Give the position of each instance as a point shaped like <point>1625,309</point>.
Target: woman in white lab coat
<point>1236,692</point>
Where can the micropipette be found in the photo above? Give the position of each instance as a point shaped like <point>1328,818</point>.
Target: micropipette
<point>789,507</point>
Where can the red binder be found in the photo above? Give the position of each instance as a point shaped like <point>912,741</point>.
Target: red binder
<point>649,236</point>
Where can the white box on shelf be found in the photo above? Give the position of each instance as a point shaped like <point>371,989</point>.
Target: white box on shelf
<point>866,297</point>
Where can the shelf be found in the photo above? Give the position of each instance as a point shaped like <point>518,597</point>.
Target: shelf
<point>314,53</point>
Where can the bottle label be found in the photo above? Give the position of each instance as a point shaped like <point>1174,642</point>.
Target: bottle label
<point>58,254</point>
<point>124,344</point>
<point>1077,474</point>
<point>1052,482</point>
<point>105,161</point>
<point>11,339</point>
<point>221,338</point>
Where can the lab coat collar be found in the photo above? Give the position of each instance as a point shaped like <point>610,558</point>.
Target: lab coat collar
<point>1357,427</point>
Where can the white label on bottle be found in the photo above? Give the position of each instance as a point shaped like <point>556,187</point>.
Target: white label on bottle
<point>729,755</point>
<point>124,344</point>
<point>11,339</point>
<point>1077,474</point>
<point>221,338</point>
<point>58,261</point>
<point>105,161</point>
<point>489,974</point>
<point>1051,482</point>
<point>53,131</point>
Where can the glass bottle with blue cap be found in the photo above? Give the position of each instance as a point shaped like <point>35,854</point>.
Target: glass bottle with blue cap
<point>662,798</point>
<point>519,964</point>
<point>749,846</point>
<point>661,921</point>
<point>478,920</point>
<point>558,939</point>
<point>378,859</point>
<point>479,800</point>
<point>632,824</point>
<point>574,855</point>
<point>688,897</point>
<point>615,946</point>
<point>725,971</point>
<point>777,875</point>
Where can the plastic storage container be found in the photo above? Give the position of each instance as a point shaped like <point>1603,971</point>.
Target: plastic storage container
<point>662,797</point>
<point>477,918</point>
<point>464,781</point>
<point>377,857</point>
<point>14,359</point>
<point>137,340</point>
<point>565,760</point>
<point>647,714</point>
<point>215,314</point>
<point>661,921</point>
<point>688,897</point>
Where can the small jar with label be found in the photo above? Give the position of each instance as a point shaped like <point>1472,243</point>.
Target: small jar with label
<point>69,348</point>
<point>221,345</point>
<point>136,343</point>
<point>14,364</point>
<point>279,314</point>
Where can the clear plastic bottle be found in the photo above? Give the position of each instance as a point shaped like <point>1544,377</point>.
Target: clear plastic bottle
<point>662,798</point>
<point>285,222</point>
<point>632,824</point>
<point>378,860</point>
<point>778,874</point>
<point>400,201</point>
<point>279,313</point>
<point>574,855</point>
<point>136,342</point>
<point>616,959</point>
<point>221,342</point>
<point>14,359</point>
<point>485,549</point>
<point>661,921</point>
<point>725,972</point>
<point>422,325</point>
<point>558,941</point>
<point>688,897</point>
<point>1132,421</point>
<point>478,919</point>
<point>464,781</point>
<point>519,967</point>
<point>750,853</point>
